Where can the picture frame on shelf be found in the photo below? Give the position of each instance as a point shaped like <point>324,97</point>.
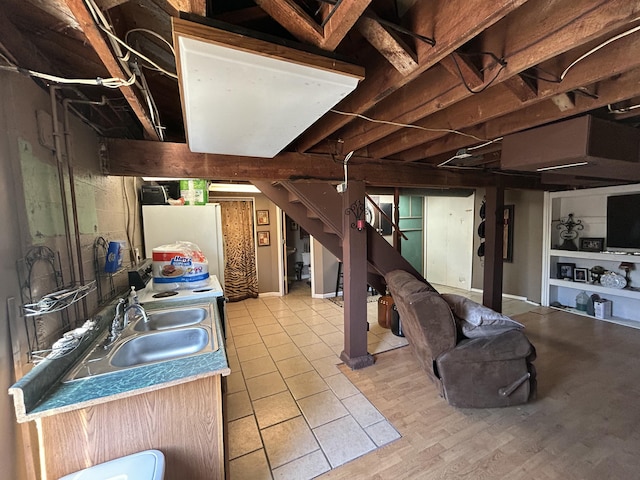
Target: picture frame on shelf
<point>264,239</point>
<point>580,275</point>
<point>262,217</point>
<point>565,271</point>
<point>591,244</point>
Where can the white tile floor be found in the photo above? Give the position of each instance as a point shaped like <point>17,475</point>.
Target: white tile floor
<point>292,414</point>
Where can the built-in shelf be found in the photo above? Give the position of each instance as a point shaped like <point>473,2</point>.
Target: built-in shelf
<point>590,207</point>
<point>595,288</point>
<point>609,257</point>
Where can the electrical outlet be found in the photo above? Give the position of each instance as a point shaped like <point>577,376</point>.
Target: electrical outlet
<point>341,188</point>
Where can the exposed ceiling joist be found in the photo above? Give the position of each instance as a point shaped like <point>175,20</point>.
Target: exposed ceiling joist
<point>453,23</point>
<point>564,29</point>
<point>339,20</point>
<point>523,88</point>
<point>515,52</point>
<point>458,65</point>
<point>610,91</point>
<point>497,101</point>
<point>389,44</point>
<point>80,12</point>
<point>174,7</point>
<point>15,45</point>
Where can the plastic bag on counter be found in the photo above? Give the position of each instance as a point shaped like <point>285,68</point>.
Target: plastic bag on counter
<point>180,265</point>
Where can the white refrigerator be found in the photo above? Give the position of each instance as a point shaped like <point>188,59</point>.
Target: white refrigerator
<point>199,224</point>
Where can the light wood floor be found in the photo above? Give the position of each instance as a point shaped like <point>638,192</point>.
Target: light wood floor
<point>585,423</point>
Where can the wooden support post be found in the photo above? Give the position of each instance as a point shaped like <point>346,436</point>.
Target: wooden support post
<point>354,285</point>
<point>494,242</point>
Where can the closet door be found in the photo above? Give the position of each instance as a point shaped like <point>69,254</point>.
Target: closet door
<point>449,236</point>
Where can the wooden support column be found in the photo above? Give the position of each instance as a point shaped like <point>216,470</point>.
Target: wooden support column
<point>354,258</point>
<point>494,241</point>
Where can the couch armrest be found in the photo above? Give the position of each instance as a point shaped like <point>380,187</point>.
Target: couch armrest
<point>506,346</point>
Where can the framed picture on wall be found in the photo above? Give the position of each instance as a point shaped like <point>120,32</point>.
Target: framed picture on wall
<point>264,239</point>
<point>263,217</point>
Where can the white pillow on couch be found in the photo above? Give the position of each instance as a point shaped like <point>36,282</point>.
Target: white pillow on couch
<point>475,320</point>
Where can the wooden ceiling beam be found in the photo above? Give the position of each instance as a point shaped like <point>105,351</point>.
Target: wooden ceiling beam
<point>98,43</point>
<point>175,160</point>
<point>451,22</point>
<point>458,65</point>
<point>566,26</point>
<point>294,19</point>
<point>619,88</point>
<point>499,101</point>
<point>344,16</point>
<point>174,7</point>
<point>109,4</point>
<point>523,88</point>
<point>389,44</point>
<point>21,50</point>
<point>339,19</point>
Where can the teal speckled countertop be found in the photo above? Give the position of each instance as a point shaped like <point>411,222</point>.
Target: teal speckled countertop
<point>38,395</point>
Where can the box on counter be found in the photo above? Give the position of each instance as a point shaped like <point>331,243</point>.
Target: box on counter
<point>194,192</point>
<point>602,308</point>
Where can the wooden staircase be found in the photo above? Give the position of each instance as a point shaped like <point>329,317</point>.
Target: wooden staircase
<point>319,209</point>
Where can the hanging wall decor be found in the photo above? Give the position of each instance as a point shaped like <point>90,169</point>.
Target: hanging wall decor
<point>507,245</point>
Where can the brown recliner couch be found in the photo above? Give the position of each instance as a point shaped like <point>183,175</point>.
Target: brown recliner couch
<point>493,369</point>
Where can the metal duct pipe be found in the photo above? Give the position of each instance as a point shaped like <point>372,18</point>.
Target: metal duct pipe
<point>74,205</point>
<point>63,194</point>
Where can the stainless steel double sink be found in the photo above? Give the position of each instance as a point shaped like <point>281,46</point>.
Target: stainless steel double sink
<point>167,334</point>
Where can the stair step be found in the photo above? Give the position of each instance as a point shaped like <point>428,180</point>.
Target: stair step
<point>293,198</point>
<point>326,228</point>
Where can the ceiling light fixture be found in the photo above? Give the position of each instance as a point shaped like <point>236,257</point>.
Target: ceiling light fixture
<point>245,96</point>
<point>233,187</point>
<point>462,153</point>
<point>558,167</point>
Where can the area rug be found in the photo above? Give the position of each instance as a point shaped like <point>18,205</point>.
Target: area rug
<point>339,300</point>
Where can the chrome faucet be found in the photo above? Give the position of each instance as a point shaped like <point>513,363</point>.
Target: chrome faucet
<point>134,306</point>
<point>116,323</point>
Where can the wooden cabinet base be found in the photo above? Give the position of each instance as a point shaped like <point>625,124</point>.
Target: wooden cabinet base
<point>183,421</point>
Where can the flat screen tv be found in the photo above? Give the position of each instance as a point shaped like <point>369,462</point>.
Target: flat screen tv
<point>623,223</point>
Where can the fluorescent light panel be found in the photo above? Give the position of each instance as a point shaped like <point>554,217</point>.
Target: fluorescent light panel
<point>251,103</point>
<point>228,187</point>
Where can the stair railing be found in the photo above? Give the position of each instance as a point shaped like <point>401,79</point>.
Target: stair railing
<point>393,225</point>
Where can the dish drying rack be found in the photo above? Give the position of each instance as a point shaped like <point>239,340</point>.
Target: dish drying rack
<point>57,301</point>
<point>46,317</point>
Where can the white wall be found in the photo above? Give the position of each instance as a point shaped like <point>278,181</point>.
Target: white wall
<point>521,277</point>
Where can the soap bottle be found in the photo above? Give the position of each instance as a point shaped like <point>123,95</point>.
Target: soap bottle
<point>133,296</point>
<point>581,301</point>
